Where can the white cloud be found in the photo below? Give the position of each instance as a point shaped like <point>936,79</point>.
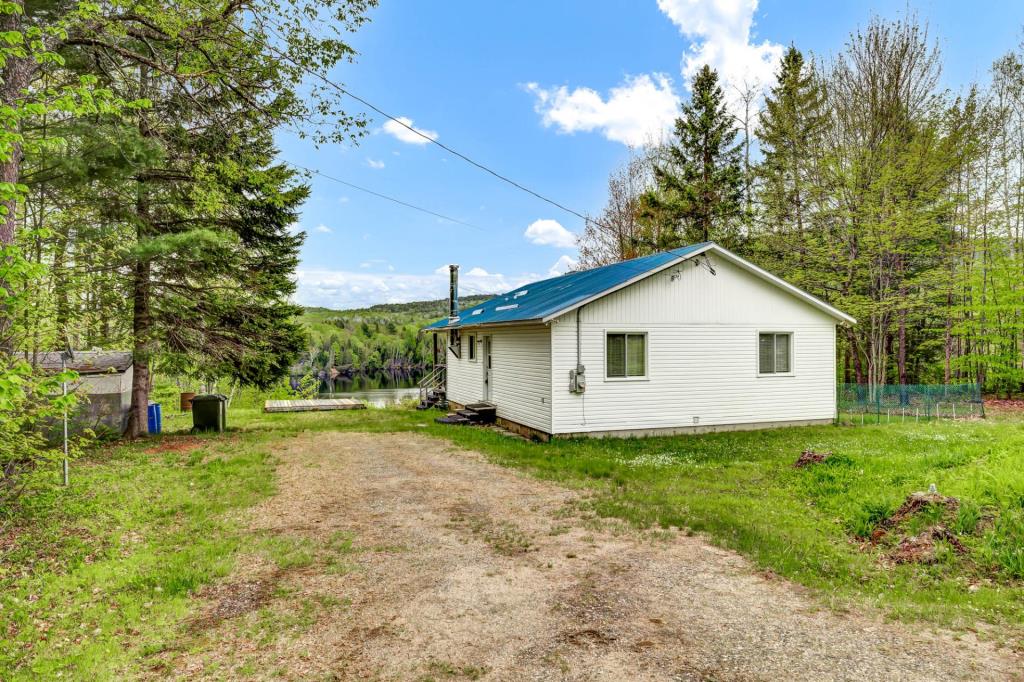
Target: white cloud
<point>643,107</point>
<point>563,265</point>
<point>403,134</point>
<point>720,34</point>
<point>550,233</point>
<point>375,164</point>
<point>347,289</point>
<point>343,200</point>
<point>635,113</point>
<point>323,228</point>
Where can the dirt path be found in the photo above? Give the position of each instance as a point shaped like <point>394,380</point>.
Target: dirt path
<point>460,569</point>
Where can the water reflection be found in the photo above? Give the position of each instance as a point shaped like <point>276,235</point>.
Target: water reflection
<point>378,389</point>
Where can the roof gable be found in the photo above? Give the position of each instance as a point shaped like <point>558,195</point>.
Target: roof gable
<point>542,301</point>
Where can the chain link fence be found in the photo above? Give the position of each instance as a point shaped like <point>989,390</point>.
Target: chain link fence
<point>876,404</point>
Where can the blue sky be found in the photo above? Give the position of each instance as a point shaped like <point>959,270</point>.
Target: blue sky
<point>550,94</point>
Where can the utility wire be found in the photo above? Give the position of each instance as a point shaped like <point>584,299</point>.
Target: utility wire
<point>410,128</point>
<point>385,196</point>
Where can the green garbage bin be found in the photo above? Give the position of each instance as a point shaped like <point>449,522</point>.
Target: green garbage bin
<point>209,412</point>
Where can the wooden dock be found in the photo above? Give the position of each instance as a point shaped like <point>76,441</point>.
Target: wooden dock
<point>319,404</point>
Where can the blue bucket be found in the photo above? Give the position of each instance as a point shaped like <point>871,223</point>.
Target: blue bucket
<point>155,418</point>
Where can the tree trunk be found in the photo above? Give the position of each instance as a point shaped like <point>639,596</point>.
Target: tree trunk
<point>141,351</point>
<point>858,365</point>
<point>60,288</point>
<point>948,345</point>
<point>901,348</point>
<point>16,75</point>
<point>142,320</point>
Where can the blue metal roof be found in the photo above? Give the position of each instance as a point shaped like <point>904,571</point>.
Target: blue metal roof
<point>540,299</point>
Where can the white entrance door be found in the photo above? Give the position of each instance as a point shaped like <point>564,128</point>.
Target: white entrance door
<point>487,368</point>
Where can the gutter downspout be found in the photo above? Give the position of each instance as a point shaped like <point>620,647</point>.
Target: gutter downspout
<point>578,353</point>
<point>579,366</point>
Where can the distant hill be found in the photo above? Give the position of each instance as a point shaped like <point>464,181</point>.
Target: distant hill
<point>381,338</point>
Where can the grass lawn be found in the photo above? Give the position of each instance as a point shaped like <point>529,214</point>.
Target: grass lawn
<point>96,577</point>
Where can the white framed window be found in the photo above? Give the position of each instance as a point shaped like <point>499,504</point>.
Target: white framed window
<point>775,352</point>
<point>472,348</point>
<point>625,355</point>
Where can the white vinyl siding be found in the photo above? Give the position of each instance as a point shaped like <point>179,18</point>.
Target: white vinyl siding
<point>465,378</point>
<point>702,355</point>
<point>520,374</point>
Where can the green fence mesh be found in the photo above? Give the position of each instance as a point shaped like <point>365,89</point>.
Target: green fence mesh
<point>912,401</point>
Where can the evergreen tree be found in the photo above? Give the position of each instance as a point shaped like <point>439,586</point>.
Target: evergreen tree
<point>789,133</point>
<point>208,257</point>
<point>698,192</point>
<point>242,327</point>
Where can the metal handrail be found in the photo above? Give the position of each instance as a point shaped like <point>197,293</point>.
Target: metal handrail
<point>434,380</point>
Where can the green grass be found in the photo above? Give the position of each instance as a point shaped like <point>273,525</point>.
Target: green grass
<point>98,577</point>
<point>101,574</point>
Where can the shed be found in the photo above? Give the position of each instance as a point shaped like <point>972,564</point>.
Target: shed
<point>104,378</point>
<point>688,340</point>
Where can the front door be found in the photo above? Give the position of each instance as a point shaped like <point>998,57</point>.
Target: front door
<point>487,369</point>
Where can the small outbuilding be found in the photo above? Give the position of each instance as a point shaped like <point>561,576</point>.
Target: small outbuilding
<point>688,340</point>
<point>104,379</point>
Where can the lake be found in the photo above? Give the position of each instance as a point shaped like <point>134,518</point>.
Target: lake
<point>377,390</point>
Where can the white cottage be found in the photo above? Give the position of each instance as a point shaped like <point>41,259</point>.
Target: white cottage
<point>689,340</point>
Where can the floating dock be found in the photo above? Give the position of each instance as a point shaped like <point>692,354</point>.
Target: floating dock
<point>317,405</point>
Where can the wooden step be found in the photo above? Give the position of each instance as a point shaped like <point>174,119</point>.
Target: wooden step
<point>453,419</point>
<point>486,412</point>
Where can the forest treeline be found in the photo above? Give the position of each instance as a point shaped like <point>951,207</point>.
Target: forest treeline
<point>864,182</point>
<point>384,338</point>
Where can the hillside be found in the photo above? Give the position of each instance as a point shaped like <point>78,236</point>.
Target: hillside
<point>381,338</point>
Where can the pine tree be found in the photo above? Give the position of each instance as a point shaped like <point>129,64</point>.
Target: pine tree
<point>789,133</point>
<point>699,183</point>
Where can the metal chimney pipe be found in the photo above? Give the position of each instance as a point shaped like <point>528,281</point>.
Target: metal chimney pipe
<point>453,293</point>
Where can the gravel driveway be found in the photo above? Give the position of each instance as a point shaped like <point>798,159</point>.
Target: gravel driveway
<point>467,570</point>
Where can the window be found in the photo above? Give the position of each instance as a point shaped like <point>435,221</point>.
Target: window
<point>455,343</point>
<point>774,353</point>
<point>625,355</point>
<point>472,348</point>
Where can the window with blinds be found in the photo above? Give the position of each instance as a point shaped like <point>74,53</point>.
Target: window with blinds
<point>774,353</point>
<point>625,355</point>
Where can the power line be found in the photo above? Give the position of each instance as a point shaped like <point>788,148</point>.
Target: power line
<point>389,198</point>
<point>405,125</point>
